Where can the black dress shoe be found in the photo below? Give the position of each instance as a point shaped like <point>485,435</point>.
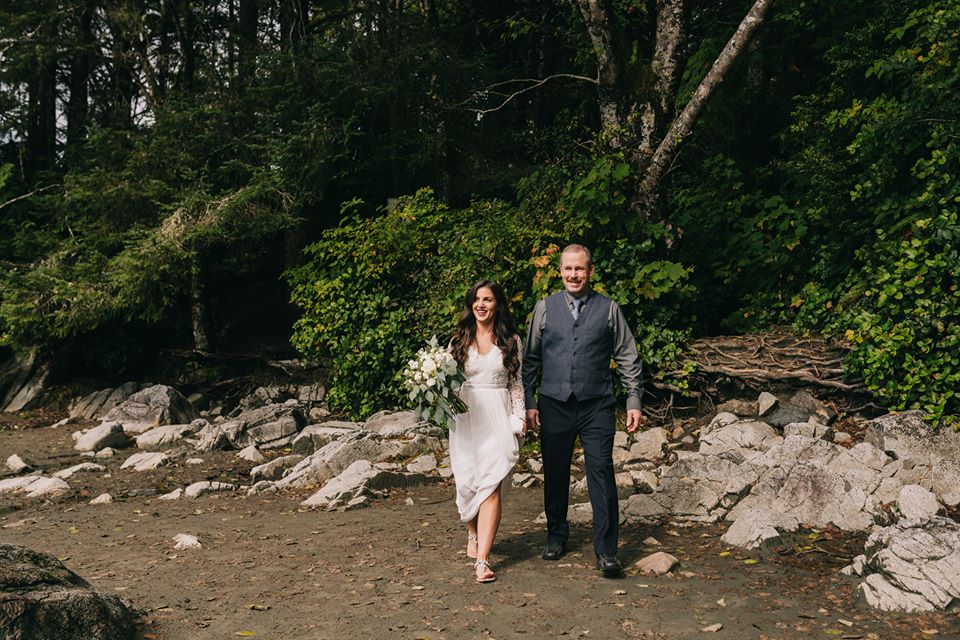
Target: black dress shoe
<point>609,565</point>
<point>553,551</point>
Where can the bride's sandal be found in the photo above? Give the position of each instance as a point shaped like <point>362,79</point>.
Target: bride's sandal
<point>484,572</point>
<point>471,545</point>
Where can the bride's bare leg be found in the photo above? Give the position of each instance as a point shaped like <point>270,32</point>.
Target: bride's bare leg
<point>472,538</point>
<point>488,522</point>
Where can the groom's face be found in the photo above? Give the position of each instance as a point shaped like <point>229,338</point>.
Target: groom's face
<point>575,270</point>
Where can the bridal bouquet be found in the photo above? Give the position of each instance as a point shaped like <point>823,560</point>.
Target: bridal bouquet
<point>433,380</point>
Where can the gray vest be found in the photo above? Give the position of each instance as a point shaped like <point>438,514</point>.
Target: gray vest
<point>576,354</point>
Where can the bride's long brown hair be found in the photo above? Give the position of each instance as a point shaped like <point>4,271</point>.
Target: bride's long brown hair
<point>504,329</point>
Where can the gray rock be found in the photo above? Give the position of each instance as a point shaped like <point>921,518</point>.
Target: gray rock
<point>331,459</point>
<point>423,464</point>
<point>274,469</point>
<point>390,424</point>
<point>205,487</point>
<point>658,564</point>
<point>16,464</point>
<point>756,529</point>
<point>625,485</point>
<point>766,403</point>
<point>856,567</point>
<point>642,509</point>
<point>151,407</point>
<point>34,486</point>
<point>784,414</point>
<point>103,498</point>
<point>648,445</point>
<point>173,495</point>
<point>186,541</point>
<point>271,426</point>
<point>360,479</point>
<point>108,434</point>
<point>169,434</point>
<point>916,503</point>
<point>88,407</point>
<point>621,439</point>
<point>913,565</point>
<point>316,436</point>
<point>644,481</point>
<point>825,413</point>
<point>65,474</point>
<point>251,454</point>
<point>741,408</point>
<point>145,461</point>
<point>535,465</point>
<point>107,452</point>
<point>842,437</point>
<point>719,421</point>
<point>739,441</point>
<point>812,428</point>
<point>907,436</point>
<point>42,599</point>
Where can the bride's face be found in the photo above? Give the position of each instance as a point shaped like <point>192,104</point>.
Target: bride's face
<point>484,306</point>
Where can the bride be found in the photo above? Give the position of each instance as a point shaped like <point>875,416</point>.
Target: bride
<point>484,446</point>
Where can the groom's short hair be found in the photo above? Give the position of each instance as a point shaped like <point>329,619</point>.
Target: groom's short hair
<point>578,248</point>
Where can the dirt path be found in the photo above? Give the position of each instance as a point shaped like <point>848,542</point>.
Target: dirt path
<point>398,570</point>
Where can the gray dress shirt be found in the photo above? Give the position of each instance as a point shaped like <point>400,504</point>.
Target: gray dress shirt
<point>624,350</point>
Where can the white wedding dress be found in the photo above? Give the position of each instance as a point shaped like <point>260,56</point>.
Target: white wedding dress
<point>483,445</point>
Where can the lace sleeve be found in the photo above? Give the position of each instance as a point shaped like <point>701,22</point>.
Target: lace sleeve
<point>516,390</point>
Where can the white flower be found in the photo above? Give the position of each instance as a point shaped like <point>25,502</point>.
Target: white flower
<point>429,366</point>
<point>431,382</point>
<point>418,376</point>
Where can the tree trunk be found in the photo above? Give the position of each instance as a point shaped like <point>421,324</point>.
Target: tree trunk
<point>198,306</point>
<point>247,20</point>
<point>614,114</point>
<point>81,66</point>
<point>122,19</point>
<point>667,150</point>
<point>658,110</point>
<point>41,140</point>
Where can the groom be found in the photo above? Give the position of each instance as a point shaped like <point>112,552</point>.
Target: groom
<point>572,336</point>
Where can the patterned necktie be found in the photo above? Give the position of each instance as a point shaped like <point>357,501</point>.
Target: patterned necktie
<point>577,303</point>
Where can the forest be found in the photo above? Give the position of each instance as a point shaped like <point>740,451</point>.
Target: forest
<point>327,179</point>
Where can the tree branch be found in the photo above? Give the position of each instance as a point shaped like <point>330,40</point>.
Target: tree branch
<point>508,97</point>
<point>683,124</point>
<point>28,195</point>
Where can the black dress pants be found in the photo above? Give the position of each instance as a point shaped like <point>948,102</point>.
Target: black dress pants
<point>560,424</point>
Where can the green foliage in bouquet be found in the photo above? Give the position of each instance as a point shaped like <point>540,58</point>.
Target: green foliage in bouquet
<point>434,381</point>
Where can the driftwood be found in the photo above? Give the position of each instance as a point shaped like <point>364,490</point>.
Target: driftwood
<point>776,356</point>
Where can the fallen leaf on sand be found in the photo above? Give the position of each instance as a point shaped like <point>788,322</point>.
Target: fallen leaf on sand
<point>723,554</point>
<point>245,634</point>
<point>713,628</point>
<point>929,632</point>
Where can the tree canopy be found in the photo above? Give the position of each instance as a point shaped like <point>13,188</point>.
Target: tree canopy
<point>733,164</point>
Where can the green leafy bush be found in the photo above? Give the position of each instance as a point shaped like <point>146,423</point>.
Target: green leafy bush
<point>375,288</point>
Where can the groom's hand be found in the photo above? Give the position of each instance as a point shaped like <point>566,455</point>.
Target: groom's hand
<point>634,420</point>
<point>533,419</point>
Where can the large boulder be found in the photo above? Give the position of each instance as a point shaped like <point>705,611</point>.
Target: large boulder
<point>353,486</point>
<point>169,434</point>
<point>391,424</point>
<point>40,599</point>
<point>274,469</point>
<point>100,402</point>
<point>333,458</point>
<point>272,426</point>
<point>913,565</point>
<point>316,436</point>
<point>934,453</point>
<point>739,441</point>
<point>151,407</point>
<point>759,528</point>
<point>34,486</point>
<point>108,434</point>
